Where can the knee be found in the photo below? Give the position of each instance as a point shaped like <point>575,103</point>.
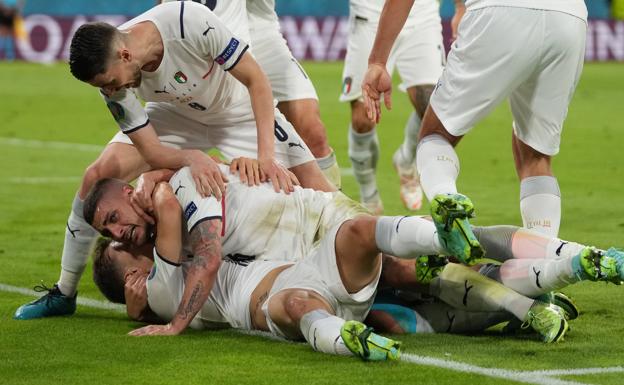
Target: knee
<point>361,230</point>
<point>296,304</point>
<point>359,121</point>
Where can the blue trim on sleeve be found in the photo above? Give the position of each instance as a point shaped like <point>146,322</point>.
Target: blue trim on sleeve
<point>239,57</point>
<point>182,19</point>
<point>130,131</point>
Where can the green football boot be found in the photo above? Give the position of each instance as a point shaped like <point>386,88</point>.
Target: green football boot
<point>450,214</point>
<point>570,310</point>
<point>598,265</point>
<point>54,303</point>
<point>548,320</point>
<point>428,267</point>
<point>362,342</point>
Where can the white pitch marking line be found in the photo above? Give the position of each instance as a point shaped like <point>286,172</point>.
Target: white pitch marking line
<point>568,372</point>
<point>81,301</point>
<point>31,143</point>
<point>539,377</point>
<point>43,179</point>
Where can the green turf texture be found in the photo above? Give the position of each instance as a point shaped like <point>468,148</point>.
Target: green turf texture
<point>46,103</point>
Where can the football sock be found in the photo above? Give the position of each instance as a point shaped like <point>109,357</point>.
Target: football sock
<point>438,166</point>
<point>506,242</point>
<point>407,237</point>
<point>463,288</point>
<point>322,331</point>
<point>540,204</point>
<point>534,277</point>
<point>79,239</point>
<point>364,152</point>
<point>410,140</point>
<point>444,318</point>
<point>329,167</point>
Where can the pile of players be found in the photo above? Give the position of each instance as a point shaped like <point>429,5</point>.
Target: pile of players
<point>269,242</point>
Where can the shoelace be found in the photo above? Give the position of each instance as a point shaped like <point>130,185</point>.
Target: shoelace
<point>47,297</point>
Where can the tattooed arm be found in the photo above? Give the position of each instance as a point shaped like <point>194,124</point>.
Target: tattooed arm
<point>205,239</point>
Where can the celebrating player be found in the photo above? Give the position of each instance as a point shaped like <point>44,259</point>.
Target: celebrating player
<point>178,57</point>
<point>419,57</point>
<point>535,51</point>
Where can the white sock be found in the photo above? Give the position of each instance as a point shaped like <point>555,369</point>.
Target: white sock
<point>463,288</point>
<point>79,239</point>
<point>540,204</point>
<point>533,277</point>
<point>329,167</point>
<point>364,152</point>
<point>410,140</point>
<point>407,237</point>
<point>535,245</point>
<point>438,166</point>
<point>322,331</point>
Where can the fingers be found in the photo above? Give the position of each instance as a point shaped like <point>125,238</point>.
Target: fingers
<point>242,173</point>
<point>293,178</point>
<point>256,173</point>
<point>388,99</point>
<point>142,213</point>
<point>234,165</point>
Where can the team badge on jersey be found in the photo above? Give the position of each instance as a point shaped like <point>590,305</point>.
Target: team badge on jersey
<point>227,52</point>
<point>117,110</point>
<point>346,85</point>
<point>180,77</point>
<point>189,210</point>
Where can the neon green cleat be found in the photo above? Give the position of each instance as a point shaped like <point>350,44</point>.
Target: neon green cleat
<point>548,320</point>
<point>362,342</point>
<point>597,265</point>
<point>428,267</point>
<point>450,214</point>
<point>570,310</point>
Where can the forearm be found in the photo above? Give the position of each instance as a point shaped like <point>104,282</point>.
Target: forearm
<point>391,22</point>
<point>262,105</point>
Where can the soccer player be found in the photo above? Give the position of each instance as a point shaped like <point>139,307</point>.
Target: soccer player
<point>528,50</point>
<point>203,90</point>
<point>418,54</point>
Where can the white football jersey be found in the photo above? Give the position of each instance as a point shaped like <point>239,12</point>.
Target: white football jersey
<point>422,12</point>
<point>573,7</point>
<point>198,51</point>
<point>262,14</point>
<point>259,223</point>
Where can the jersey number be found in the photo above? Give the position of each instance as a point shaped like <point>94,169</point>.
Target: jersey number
<point>280,134</point>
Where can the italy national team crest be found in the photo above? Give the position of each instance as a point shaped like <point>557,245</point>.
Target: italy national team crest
<point>346,85</point>
<point>180,77</point>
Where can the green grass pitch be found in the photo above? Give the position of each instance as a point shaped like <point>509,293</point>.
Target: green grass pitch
<point>43,103</point>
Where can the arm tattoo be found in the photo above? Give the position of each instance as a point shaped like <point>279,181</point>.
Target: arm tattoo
<point>190,306</point>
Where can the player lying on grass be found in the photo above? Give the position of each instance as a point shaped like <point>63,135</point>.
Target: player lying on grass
<point>274,229</point>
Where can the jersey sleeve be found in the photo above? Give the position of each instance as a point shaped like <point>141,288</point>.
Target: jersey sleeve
<point>196,209</point>
<point>127,110</point>
<point>209,34</point>
<point>165,287</point>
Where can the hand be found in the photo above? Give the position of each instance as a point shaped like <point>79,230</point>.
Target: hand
<point>207,176</point>
<point>376,83</point>
<point>248,170</point>
<point>135,292</point>
<point>281,178</point>
<point>141,198</point>
<point>460,9</point>
<point>155,330</point>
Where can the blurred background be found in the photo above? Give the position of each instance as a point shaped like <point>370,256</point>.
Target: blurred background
<point>40,30</point>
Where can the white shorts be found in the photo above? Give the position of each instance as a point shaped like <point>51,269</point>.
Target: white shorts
<point>418,54</point>
<point>533,56</point>
<point>318,272</point>
<point>234,138</point>
<point>288,79</point>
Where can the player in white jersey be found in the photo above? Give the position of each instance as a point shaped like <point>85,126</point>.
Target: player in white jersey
<point>418,54</point>
<point>535,50</point>
<point>291,85</point>
<point>249,220</point>
<point>178,57</point>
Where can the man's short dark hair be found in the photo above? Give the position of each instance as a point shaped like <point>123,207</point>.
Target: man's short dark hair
<point>91,49</point>
<point>106,274</point>
<point>95,195</point>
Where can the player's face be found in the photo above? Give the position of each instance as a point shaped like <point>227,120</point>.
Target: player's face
<point>121,73</point>
<point>116,218</point>
<point>131,259</point>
